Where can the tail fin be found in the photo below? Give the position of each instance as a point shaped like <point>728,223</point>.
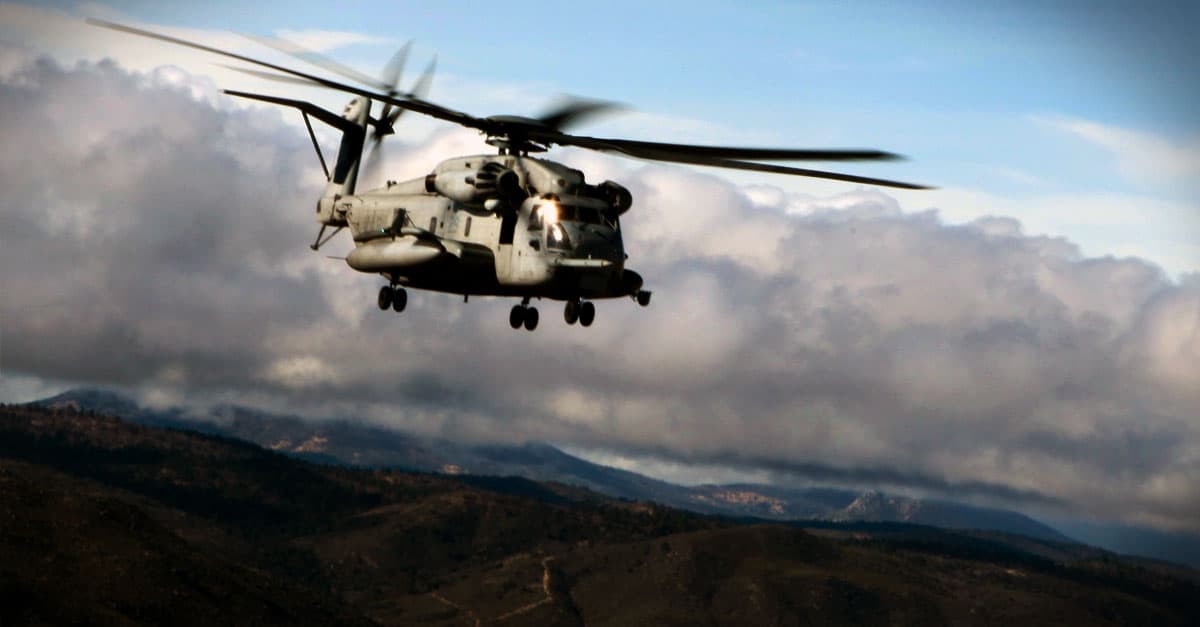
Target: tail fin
<point>354,135</point>
<point>353,123</point>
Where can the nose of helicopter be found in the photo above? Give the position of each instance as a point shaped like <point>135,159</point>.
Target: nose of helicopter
<point>593,241</point>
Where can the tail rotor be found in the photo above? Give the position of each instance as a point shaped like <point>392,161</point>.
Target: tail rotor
<point>388,82</point>
<point>385,124</point>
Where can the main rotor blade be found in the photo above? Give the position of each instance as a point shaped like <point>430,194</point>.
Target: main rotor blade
<point>537,130</point>
<point>574,111</point>
<point>281,78</point>
<point>645,150</point>
<point>634,148</point>
<point>733,164</point>
<point>317,59</point>
<point>411,104</point>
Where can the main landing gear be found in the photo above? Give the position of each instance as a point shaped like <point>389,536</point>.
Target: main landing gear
<point>394,297</point>
<point>582,312</point>
<point>523,314</point>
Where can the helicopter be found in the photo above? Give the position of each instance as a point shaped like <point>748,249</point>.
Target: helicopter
<point>505,224</point>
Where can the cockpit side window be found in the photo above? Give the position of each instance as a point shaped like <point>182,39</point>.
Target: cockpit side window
<point>536,218</point>
<point>556,237</point>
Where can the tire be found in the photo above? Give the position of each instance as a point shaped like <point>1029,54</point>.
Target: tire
<point>571,312</point>
<point>385,298</point>
<point>516,317</point>
<point>587,313</point>
<point>399,299</point>
<point>531,319</point>
<point>643,298</point>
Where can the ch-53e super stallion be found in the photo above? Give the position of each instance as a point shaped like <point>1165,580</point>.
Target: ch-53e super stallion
<point>501,224</point>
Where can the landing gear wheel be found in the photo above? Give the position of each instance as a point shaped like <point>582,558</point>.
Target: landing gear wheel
<point>587,313</point>
<point>385,297</point>
<point>531,318</point>
<point>571,312</point>
<point>643,298</point>
<point>516,317</point>
<point>399,299</point>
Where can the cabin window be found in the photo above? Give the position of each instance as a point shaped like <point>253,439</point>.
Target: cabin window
<point>433,225</point>
<point>467,228</point>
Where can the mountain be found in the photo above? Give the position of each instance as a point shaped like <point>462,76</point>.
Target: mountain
<point>108,522</point>
<point>358,444</point>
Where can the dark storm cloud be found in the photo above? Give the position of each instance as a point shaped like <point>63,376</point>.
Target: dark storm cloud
<point>152,240</point>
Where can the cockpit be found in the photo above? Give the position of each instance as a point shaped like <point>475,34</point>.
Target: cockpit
<point>550,211</point>
<point>574,225</point>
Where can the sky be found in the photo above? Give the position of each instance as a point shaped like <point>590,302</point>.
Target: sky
<point>1026,335</point>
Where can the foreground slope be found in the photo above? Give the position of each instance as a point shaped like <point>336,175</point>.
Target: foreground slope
<point>106,522</point>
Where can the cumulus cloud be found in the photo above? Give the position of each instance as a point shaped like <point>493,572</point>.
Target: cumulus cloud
<point>153,241</point>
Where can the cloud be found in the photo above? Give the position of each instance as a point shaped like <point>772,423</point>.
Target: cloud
<point>1142,157</point>
<point>1155,229</point>
<point>326,40</point>
<point>154,241</point>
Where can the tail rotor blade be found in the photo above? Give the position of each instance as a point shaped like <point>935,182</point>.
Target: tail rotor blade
<point>421,87</point>
<point>395,68</point>
<point>374,160</point>
<point>391,78</point>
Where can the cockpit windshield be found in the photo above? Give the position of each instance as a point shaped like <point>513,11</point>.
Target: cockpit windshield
<point>550,213</point>
<point>573,213</point>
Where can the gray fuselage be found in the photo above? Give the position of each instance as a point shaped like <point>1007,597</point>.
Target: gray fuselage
<point>501,225</point>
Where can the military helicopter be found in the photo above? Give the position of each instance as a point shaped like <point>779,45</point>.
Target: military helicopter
<point>503,224</point>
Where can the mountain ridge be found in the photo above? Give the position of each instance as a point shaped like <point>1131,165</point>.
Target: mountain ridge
<point>132,524</point>
<point>354,443</point>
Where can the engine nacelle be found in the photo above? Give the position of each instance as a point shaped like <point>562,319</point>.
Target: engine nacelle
<point>617,196</point>
<point>497,181</point>
<point>457,185</point>
<point>493,180</point>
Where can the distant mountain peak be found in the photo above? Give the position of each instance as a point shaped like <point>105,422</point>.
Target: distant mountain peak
<point>875,505</point>
<point>96,399</point>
